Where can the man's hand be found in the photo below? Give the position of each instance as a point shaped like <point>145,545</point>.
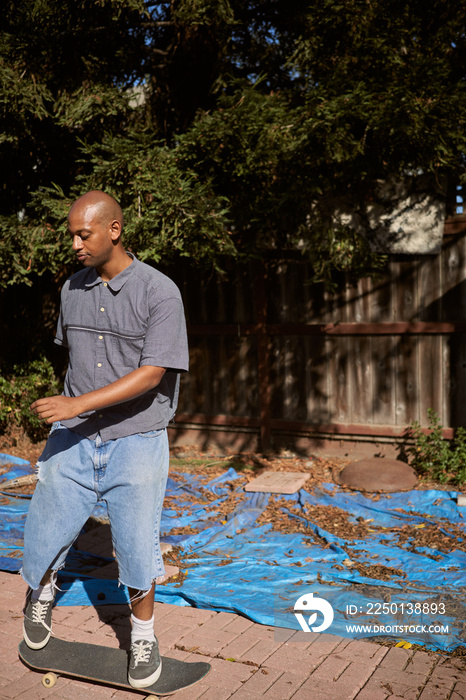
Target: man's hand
<point>56,408</point>
<point>133,384</point>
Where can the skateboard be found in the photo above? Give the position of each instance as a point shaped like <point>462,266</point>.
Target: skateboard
<point>91,662</point>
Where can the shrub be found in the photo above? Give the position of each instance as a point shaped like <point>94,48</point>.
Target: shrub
<point>436,457</point>
<point>21,387</point>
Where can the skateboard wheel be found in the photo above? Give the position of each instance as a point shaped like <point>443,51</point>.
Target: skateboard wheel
<point>49,680</point>
<point>152,697</point>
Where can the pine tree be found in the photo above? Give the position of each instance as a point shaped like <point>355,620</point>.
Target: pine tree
<point>222,126</point>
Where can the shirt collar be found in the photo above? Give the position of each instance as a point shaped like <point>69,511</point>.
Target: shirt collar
<point>116,283</point>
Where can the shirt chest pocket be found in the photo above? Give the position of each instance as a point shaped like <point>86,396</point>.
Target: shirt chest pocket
<point>125,350</point>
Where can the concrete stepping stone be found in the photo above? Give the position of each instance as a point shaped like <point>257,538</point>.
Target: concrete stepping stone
<point>278,482</point>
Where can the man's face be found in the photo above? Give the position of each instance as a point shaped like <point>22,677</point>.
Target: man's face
<point>92,239</point>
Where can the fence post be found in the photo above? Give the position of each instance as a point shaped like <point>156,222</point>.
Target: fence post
<point>263,351</point>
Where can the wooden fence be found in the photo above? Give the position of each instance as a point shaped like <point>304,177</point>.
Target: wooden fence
<point>272,353</point>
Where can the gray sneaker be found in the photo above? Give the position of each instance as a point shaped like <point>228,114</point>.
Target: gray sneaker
<point>37,624</point>
<point>145,664</point>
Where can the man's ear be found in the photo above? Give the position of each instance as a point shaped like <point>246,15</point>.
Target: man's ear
<point>115,230</point>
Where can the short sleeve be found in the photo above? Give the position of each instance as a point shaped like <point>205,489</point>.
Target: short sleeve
<point>60,335</point>
<point>166,343</point>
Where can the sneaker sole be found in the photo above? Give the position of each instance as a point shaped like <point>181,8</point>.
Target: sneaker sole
<point>35,645</point>
<point>145,682</point>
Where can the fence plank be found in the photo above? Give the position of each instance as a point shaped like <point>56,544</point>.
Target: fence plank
<point>360,377</point>
<point>340,388</point>
<point>407,380</point>
<point>453,280</point>
<point>429,288</point>
<point>430,376</point>
<point>404,291</point>
<point>383,363</point>
<point>381,306</point>
<point>457,381</point>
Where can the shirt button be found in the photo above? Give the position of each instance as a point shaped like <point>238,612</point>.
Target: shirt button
<point>101,337</point>
<point>105,284</point>
<point>102,308</point>
<point>101,415</point>
<point>99,364</point>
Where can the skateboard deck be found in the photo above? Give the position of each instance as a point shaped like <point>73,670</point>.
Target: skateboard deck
<point>108,666</point>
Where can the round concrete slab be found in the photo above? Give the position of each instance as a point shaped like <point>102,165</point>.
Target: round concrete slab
<point>378,474</point>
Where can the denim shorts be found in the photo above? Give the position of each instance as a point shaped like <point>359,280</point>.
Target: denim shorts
<point>129,474</point>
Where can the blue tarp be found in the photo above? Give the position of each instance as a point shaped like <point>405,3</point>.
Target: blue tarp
<point>13,511</point>
<point>238,566</point>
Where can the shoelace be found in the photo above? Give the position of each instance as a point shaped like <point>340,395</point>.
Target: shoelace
<point>141,651</point>
<point>39,612</point>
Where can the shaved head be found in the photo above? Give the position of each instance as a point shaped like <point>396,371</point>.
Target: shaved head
<point>95,223</point>
<point>100,205</point>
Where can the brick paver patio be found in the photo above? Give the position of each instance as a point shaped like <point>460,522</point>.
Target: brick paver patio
<point>249,661</point>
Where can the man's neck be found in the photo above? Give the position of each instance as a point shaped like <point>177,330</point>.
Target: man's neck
<point>115,266</point>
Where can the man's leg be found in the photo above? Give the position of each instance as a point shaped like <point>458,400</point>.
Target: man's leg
<point>63,500</point>
<point>37,624</point>
<point>142,617</point>
<point>145,664</point>
<point>135,487</point>
<point>142,608</point>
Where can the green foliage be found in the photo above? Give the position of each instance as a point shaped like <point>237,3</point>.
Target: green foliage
<point>383,79</point>
<point>20,388</point>
<point>31,249</point>
<point>248,148</point>
<point>340,250</point>
<point>434,456</point>
<point>169,211</point>
<point>224,126</point>
<point>209,12</point>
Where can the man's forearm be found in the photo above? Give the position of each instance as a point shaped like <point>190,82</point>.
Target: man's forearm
<point>126,388</point>
<point>132,385</point>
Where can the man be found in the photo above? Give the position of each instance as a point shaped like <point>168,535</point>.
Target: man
<point>123,324</point>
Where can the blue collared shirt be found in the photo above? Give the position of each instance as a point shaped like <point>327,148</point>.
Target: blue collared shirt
<point>112,328</point>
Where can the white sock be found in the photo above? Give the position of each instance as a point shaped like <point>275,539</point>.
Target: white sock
<point>43,593</point>
<point>142,629</point>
